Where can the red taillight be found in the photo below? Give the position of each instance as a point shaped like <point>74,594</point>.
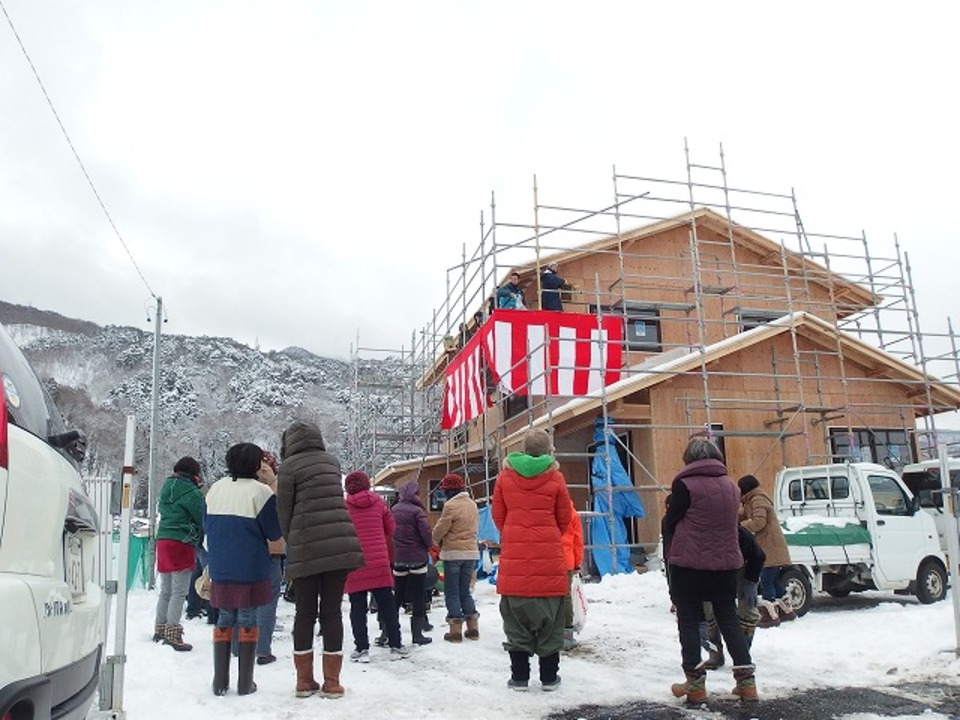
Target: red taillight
<point>4,455</point>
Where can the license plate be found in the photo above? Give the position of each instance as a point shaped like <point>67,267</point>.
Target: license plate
<point>74,566</point>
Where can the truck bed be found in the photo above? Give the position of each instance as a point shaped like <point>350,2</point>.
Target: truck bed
<point>821,540</point>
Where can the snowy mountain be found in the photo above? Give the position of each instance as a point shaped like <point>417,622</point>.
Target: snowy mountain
<point>213,391</point>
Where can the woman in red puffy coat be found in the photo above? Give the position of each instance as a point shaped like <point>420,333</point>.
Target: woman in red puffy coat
<point>375,525</point>
<point>532,509</point>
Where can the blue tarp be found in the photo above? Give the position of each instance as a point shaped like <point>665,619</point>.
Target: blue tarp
<point>486,530</point>
<point>625,504</point>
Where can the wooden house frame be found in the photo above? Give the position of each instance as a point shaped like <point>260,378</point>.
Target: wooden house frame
<point>756,345</point>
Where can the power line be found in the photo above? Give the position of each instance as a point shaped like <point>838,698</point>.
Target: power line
<point>76,155</point>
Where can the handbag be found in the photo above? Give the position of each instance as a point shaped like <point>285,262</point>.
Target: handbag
<point>202,585</point>
<point>579,603</point>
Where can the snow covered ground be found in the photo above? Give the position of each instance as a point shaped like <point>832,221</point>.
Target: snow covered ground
<point>629,652</point>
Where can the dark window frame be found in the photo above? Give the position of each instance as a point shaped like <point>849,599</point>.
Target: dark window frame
<point>636,312</point>
<point>514,404</point>
<point>748,319</point>
<point>435,496</point>
<point>879,441</point>
<point>816,488</point>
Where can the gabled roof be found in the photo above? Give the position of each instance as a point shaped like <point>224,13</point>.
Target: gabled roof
<point>850,296</point>
<point>402,466</point>
<point>650,373</point>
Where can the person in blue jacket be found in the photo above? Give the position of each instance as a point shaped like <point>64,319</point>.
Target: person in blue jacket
<point>239,518</point>
<point>510,296</point>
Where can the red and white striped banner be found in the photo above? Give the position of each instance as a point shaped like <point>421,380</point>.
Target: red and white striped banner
<point>533,351</point>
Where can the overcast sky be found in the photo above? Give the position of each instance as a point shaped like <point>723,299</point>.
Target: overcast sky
<point>296,173</point>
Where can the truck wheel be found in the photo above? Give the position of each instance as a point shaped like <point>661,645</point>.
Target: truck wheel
<point>838,593</point>
<point>798,590</point>
<point>931,583</point>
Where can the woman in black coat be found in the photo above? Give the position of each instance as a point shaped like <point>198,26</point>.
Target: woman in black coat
<point>322,548</point>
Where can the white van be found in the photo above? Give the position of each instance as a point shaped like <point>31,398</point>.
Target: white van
<point>50,605</point>
<point>854,527</point>
<point>923,479</point>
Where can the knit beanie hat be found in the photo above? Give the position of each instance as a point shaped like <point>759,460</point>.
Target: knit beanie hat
<point>537,442</point>
<point>747,483</point>
<point>270,459</point>
<point>452,482</point>
<point>356,481</point>
<point>188,466</point>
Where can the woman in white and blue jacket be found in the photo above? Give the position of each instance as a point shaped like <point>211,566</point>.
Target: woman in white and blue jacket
<point>240,517</point>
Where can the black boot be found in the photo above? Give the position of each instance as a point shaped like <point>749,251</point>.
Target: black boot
<point>221,659</point>
<point>248,657</point>
<point>549,665</point>
<point>416,629</point>
<point>519,670</point>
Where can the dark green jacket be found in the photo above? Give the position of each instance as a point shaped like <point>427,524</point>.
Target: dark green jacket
<point>181,510</point>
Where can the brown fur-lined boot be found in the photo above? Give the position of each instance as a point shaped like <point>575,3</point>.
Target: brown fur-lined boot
<point>715,658</point>
<point>456,630</point>
<point>303,662</point>
<point>785,609</point>
<point>694,688</point>
<point>746,688</point>
<point>174,638</point>
<point>473,627</point>
<point>332,664</point>
<point>769,617</point>
<point>159,632</point>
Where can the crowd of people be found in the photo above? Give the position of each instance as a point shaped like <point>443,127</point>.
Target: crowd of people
<point>328,535</point>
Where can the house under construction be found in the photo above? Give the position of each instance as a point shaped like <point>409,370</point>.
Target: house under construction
<point>730,320</point>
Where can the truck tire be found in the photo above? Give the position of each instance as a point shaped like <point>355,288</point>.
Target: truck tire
<point>798,590</point>
<point>931,583</point>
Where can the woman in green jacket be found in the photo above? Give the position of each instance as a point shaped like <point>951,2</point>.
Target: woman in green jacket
<point>178,534</point>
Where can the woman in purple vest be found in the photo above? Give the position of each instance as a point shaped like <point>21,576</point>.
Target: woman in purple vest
<point>703,554</point>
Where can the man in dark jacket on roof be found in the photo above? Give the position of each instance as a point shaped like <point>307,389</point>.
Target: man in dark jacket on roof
<point>550,286</point>
<point>322,548</point>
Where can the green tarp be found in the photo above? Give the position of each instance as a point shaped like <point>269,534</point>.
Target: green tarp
<point>138,573</point>
<point>817,534</point>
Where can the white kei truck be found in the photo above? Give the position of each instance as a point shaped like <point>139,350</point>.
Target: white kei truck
<point>853,527</point>
<point>923,479</point>
<point>50,607</point>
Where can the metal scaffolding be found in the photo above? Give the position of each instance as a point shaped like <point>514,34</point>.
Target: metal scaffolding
<point>714,291</point>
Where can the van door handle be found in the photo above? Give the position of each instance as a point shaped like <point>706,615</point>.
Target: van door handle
<point>881,522</point>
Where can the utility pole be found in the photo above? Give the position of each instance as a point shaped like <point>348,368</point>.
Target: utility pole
<point>152,483</point>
